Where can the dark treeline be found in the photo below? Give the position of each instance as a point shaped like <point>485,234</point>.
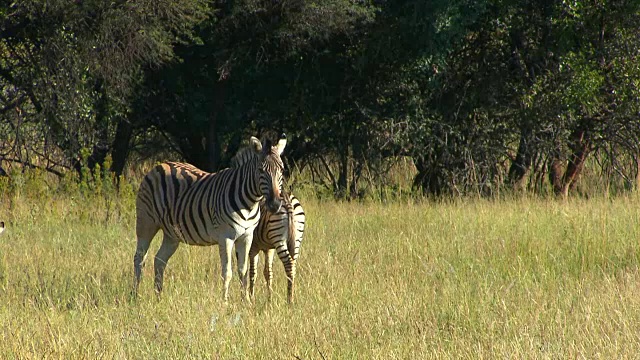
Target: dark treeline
<point>479,94</point>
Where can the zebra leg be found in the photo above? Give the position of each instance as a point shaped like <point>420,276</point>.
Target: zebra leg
<point>291,276</point>
<point>138,262</point>
<point>253,265</point>
<point>226,247</point>
<point>268,269</point>
<point>290,271</point>
<point>144,234</point>
<point>167,249</point>
<point>243,245</point>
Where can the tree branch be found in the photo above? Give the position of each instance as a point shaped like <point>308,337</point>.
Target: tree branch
<point>28,164</point>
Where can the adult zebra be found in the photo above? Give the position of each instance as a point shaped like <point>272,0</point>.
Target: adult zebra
<point>199,208</point>
<point>280,231</point>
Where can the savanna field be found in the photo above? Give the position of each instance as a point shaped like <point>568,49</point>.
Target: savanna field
<point>519,278</point>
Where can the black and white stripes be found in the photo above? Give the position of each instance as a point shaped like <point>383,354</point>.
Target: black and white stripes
<point>282,232</point>
<point>194,207</point>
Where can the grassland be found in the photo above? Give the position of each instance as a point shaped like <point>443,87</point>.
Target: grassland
<point>523,278</point>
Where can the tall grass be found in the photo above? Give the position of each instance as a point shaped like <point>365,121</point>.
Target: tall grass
<point>519,278</point>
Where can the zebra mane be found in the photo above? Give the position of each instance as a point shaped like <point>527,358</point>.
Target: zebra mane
<point>249,152</point>
<point>243,156</point>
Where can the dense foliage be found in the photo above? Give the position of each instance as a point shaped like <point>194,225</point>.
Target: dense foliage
<point>481,95</point>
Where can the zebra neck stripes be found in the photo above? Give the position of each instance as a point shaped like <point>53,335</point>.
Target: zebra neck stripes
<point>247,185</point>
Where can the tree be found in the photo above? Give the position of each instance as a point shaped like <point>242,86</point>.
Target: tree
<point>68,70</point>
<point>239,78</point>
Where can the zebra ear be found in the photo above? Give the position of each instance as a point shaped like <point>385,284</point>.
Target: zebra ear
<point>255,144</point>
<point>282,143</point>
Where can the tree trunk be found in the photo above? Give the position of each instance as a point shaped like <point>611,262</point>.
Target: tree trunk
<point>428,178</point>
<point>212,145</point>
<point>564,179</point>
<point>580,149</point>
<point>121,146</point>
<point>357,173</point>
<point>358,166</point>
<point>521,166</point>
<point>637,172</point>
<point>194,152</point>
<point>556,174</point>
<point>100,148</point>
<point>341,191</point>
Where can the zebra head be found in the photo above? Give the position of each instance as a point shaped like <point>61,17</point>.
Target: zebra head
<point>271,169</point>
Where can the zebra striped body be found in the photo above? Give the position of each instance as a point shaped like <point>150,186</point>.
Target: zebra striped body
<point>188,203</point>
<point>195,207</point>
<point>280,232</point>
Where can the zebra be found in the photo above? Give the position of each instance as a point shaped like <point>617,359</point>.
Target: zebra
<point>1,226</point>
<point>200,208</point>
<point>280,231</point>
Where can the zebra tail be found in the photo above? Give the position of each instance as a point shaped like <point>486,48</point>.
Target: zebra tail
<point>291,233</point>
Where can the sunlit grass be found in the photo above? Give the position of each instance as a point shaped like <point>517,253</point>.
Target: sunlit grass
<point>522,278</point>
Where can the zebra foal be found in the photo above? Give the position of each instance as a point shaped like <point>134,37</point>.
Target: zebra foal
<point>195,207</point>
<point>278,231</point>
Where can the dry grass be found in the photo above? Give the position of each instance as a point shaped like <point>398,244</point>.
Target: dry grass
<point>470,279</point>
